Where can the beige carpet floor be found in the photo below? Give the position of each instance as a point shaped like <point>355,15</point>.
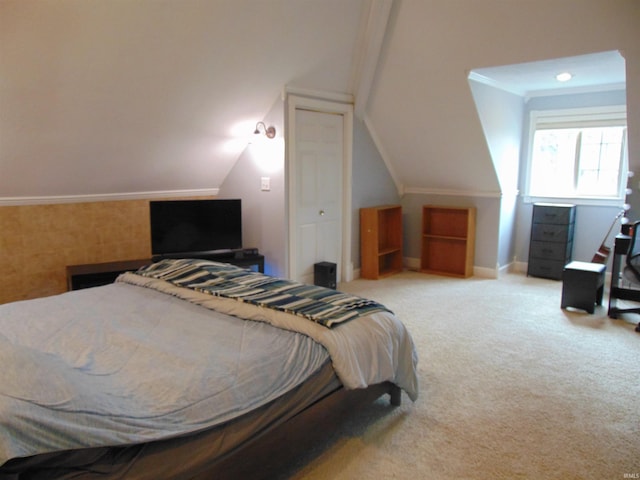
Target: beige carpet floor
<point>511,387</point>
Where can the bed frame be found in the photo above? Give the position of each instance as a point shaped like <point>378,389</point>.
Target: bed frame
<point>266,453</point>
<point>264,443</point>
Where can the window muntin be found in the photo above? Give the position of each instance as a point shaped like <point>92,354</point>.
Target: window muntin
<point>578,153</point>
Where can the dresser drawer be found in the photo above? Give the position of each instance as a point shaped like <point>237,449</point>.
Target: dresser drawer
<point>545,232</point>
<point>551,242</point>
<point>546,268</point>
<point>553,214</point>
<point>550,250</point>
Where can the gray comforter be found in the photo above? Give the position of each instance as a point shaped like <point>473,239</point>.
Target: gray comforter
<point>121,364</point>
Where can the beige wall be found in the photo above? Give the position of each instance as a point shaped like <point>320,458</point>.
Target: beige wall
<point>37,242</point>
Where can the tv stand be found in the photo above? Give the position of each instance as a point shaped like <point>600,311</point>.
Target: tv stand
<point>96,274</point>
<point>244,257</point>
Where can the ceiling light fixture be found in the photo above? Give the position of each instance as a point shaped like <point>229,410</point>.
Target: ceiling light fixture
<point>270,132</point>
<point>564,77</point>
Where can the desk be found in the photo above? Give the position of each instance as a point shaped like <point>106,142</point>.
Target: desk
<point>621,289</point>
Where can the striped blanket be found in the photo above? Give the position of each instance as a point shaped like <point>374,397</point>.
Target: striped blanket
<point>322,305</point>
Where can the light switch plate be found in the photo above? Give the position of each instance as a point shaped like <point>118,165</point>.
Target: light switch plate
<point>265,184</point>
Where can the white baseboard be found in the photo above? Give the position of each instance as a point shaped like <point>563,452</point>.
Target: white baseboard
<point>411,263</point>
<point>485,272</point>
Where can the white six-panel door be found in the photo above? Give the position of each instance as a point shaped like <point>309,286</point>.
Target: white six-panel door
<point>318,169</point>
<point>319,147</point>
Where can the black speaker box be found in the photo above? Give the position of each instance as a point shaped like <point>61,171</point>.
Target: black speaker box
<point>324,274</point>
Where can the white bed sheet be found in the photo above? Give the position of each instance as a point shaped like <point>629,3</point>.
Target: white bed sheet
<point>86,370</point>
<point>364,351</point>
<point>120,364</point>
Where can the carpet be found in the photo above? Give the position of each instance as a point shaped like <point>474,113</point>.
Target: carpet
<point>511,386</point>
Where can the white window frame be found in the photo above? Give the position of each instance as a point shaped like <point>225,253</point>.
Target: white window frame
<point>613,115</point>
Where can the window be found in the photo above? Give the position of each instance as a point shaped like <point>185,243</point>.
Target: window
<point>578,153</point>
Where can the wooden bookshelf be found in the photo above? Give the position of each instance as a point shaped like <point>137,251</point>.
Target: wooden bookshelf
<point>380,241</point>
<point>448,240</point>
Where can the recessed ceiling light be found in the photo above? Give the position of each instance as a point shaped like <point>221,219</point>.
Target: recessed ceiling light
<point>564,77</point>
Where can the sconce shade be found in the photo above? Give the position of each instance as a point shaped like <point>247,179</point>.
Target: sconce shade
<point>270,132</point>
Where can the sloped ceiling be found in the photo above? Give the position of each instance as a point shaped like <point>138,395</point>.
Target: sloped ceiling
<point>421,108</point>
<point>589,73</point>
<point>121,96</point>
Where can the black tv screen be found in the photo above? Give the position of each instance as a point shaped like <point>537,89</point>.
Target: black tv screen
<point>188,226</point>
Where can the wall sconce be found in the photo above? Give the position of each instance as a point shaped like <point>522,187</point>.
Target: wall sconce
<point>270,132</point>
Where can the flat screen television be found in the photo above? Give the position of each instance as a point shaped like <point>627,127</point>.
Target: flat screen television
<point>180,227</point>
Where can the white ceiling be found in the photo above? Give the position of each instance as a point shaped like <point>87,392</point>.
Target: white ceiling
<point>108,97</point>
<point>590,72</point>
<point>422,108</point>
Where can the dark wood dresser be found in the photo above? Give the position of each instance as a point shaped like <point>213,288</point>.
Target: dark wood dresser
<point>551,243</point>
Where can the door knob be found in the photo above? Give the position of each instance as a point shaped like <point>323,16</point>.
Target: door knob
<point>321,212</point>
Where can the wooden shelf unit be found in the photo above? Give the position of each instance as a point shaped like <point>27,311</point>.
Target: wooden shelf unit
<point>380,241</point>
<point>448,240</point>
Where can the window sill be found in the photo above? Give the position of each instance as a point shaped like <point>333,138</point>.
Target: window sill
<point>599,202</point>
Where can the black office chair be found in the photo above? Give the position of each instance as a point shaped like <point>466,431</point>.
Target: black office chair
<point>631,272</point>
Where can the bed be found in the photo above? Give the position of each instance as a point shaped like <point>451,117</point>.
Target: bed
<point>186,369</point>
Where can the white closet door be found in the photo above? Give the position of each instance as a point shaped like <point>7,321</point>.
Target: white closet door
<point>319,191</point>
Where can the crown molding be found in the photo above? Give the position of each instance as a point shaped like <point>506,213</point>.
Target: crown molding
<point>452,192</point>
<point>373,28</point>
<point>106,197</point>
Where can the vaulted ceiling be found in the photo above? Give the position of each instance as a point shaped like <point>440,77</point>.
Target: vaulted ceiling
<point>104,97</point>
<point>108,97</point>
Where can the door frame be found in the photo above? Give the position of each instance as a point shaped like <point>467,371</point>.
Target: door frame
<point>295,102</point>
